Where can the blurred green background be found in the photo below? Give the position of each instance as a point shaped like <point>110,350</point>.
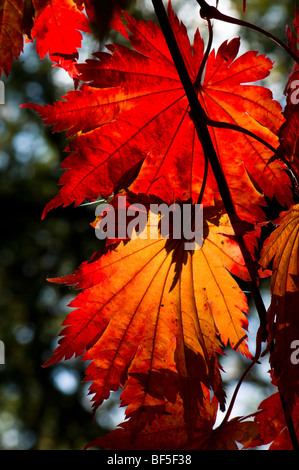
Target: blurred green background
<point>49,408</point>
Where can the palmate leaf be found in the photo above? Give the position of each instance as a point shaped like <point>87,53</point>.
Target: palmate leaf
<point>283,248</point>
<point>129,124</point>
<point>153,317</point>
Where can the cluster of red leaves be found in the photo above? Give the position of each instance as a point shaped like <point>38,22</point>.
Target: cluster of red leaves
<point>151,317</point>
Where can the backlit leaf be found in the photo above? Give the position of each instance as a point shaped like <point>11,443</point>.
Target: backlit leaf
<point>129,124</point>
<point>55,35</point>
<point>153,317</point>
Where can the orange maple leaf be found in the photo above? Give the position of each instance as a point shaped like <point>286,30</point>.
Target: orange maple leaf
<point>153,317</point>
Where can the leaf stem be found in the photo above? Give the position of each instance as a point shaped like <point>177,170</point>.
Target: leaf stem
<point>244,375</point>
<point>233,399</point>
<point>208,11</point>
<point>198,79</point>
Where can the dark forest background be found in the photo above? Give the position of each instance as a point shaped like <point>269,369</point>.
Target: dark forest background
<point>49,408</point>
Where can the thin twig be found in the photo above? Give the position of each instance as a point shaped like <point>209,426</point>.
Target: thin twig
<point>230,126</point>
<point>208,11</point>
<point>235,127</point>
<point>255,360</point>
<point>236,390</point>
<point>204,180</point>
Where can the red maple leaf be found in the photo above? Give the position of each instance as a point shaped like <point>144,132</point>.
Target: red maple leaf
<point>57,37</point>
<point>129,124</point>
